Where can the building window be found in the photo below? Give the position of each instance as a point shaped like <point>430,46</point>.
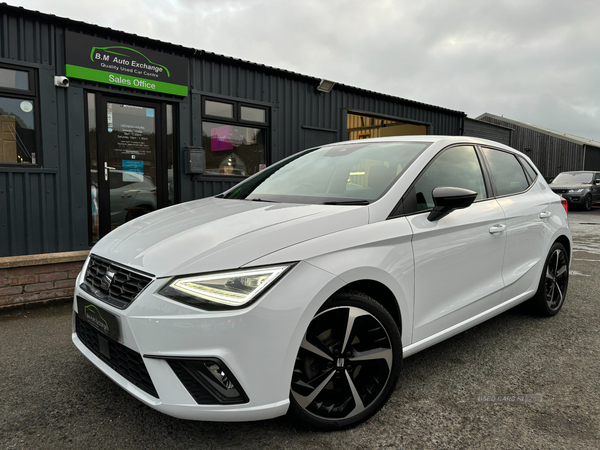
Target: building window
<point>18,116</point>
<point>218,109</point>
<point>232,146</point>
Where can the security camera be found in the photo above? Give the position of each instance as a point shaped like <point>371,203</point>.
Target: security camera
<point>61,82</point>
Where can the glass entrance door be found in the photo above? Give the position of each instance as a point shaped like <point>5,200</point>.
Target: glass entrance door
<point>129,167</point>
<point>130,162</point>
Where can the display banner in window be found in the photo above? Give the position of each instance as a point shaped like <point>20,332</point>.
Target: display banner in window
<point>103,61</point>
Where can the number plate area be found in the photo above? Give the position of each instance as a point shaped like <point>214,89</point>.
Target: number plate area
<point>103,321</point>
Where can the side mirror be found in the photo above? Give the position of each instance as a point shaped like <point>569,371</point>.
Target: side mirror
<point>447,199</point>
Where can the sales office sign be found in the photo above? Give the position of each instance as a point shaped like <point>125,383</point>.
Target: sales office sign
<point>103,61</point>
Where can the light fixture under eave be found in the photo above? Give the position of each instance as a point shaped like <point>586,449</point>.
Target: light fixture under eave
<point>325,85</point>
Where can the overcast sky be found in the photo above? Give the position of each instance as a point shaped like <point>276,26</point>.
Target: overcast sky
<point>537,61</point>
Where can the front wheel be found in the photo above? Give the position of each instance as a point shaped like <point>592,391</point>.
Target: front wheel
<point>550,296</point>
<point>347,365</point>
<point>587,202</point>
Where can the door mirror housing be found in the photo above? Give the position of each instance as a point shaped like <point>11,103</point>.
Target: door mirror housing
<point>447,199</point>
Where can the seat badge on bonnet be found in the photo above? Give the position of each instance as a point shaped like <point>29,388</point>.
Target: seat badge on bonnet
<point>107,279</point>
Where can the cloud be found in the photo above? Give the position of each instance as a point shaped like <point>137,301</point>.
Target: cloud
<point>533,61</point>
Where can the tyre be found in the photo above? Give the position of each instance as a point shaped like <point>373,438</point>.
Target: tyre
<point>552,290</point>
<point>587,202</point>
<point>347,365</point>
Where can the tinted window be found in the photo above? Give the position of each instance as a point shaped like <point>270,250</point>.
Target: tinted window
<point>507,173</point>
<point>455,167</point>
<point>233,149</point>
<point>14,79</point>
<point>253,114</point>
<point>218,109</point>
<point>17,130</point>
<point>356,172</point>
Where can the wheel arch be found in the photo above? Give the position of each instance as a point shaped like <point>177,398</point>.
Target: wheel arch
<point>381,294</point>
<point>564,240</point>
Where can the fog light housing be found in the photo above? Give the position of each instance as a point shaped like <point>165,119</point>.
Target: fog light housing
<point>208,380</point>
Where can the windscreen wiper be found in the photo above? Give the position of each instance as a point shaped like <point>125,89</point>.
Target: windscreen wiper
<point>261,200</point>
<point>348,202</point>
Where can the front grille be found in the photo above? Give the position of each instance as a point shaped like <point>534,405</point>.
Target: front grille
<point>121,359</point>
<point>560,191</point>
<point>125,285</point>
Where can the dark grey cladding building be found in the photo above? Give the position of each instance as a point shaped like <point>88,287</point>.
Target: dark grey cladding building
<point>100,126</point>
<point>551,151</point>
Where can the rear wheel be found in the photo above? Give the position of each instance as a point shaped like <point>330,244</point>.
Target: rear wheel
<point>347,365</point>
<point>554,281</point>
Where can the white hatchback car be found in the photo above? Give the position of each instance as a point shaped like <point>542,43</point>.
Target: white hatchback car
<point>303,287</point>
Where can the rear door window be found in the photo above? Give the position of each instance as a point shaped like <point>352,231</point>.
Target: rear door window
<point>508,176</point>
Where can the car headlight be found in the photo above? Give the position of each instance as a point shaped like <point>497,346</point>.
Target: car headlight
<point>576,190</point>
<point>223,290</point>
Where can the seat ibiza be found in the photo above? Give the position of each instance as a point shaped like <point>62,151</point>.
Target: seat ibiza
<point>302,288</point>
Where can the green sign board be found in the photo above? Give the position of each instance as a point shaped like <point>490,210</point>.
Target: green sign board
<point>103,61</point>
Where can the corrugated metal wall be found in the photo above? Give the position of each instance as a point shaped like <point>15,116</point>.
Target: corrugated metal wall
<point>44,209</point>
<point>485,130</point>
<point>295,104</point>
<point>41,207</point>
<point>592,158</point>
<point>550,154</point>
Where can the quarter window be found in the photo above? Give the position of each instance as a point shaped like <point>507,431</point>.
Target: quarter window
<point>455,167</point>
<point>531,173</point>
<point>18,133</point>
<point>507,174</point>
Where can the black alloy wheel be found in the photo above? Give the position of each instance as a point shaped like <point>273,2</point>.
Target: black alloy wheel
<point>552,289</point>
<point>348,363</point>
<point>587,202</point>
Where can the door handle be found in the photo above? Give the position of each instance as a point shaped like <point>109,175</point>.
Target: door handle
<point>495,229</point>
<point>545,214</point>
<point>106,169</point>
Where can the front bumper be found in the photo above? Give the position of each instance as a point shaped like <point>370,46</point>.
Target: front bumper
<point>574,198</point>
<point>258,345</point>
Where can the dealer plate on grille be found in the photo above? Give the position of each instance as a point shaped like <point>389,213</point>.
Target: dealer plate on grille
<point>99,318</point>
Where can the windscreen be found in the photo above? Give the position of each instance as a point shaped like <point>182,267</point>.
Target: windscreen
<point>573,178</point>
<point>352,173</point>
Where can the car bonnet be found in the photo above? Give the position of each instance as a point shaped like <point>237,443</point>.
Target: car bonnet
<point>215,234</point>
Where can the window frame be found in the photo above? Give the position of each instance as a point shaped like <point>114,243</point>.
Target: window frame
<point>526,164</point>
<point>491,177</point>
<point>214,117</point>
<point>30,94</point>
<point>409,197</point>
<point>251,122</point>
<point>32,91</point>
<point>236,120</point>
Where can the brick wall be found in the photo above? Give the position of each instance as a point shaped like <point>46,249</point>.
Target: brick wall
<point>38,278</point>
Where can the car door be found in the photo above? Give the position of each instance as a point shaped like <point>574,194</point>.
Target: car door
<point>458,259</point>
<point>528,215</point>
<point>596,187</point>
